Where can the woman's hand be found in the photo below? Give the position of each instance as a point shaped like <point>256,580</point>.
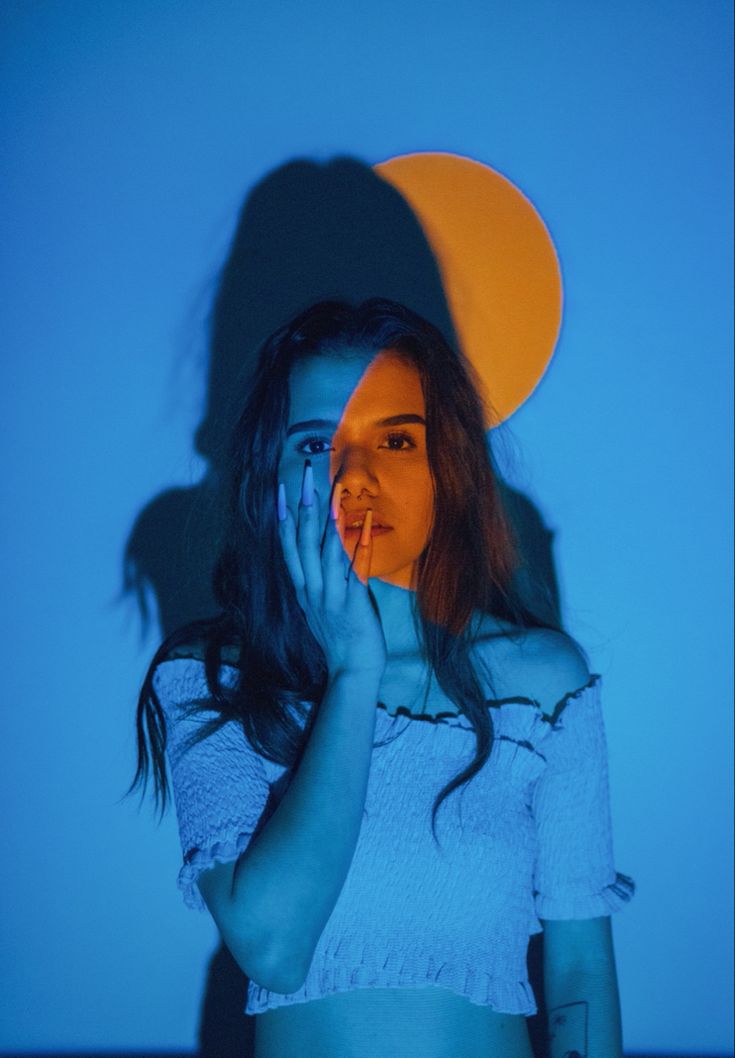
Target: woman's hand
<point>332,592</point>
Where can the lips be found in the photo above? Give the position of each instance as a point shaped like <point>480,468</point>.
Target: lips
<point>358,516</point>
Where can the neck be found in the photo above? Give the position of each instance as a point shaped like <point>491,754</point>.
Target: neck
<point>395,605</point>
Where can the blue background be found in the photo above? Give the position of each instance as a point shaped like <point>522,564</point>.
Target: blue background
<point>133,132</point>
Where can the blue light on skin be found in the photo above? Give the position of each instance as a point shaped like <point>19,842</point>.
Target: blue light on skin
<point>381,466</point>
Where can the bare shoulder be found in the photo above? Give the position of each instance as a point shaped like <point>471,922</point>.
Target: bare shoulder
<point>556,653</point>
<point>538,663</point>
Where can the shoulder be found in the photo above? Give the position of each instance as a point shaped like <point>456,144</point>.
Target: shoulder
<point>537,663</point>
<point>558,665</point>
<point>556,655</point>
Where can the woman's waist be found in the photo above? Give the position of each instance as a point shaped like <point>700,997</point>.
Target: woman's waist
<point>381,1022</point>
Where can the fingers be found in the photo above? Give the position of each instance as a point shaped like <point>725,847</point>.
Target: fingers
<point>335,566</point>
<point>287,533</point>
<point>317,560</point>
<point>364,550</point>
<point>308,533</point>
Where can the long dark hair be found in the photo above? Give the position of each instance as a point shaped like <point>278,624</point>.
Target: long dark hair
<point>467,568</point>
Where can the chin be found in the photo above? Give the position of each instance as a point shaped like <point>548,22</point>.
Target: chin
<point>399,576</point>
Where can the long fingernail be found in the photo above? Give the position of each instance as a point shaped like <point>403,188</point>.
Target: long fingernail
<point>334,508</point>
<point>307,485</point>
<point>366,527</point>
<point>281,505</point>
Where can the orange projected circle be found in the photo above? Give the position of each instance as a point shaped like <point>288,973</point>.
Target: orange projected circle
<point>498,265</point>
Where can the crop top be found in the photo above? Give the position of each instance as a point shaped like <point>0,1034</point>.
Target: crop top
<point>528,837</point>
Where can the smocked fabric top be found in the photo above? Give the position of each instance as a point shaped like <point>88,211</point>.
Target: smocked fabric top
<point>527,838</point>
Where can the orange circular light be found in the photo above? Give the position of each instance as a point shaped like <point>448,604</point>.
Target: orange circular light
<point>498,264</point>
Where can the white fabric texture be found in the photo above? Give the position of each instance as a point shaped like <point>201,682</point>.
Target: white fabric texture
<point>528,838</point>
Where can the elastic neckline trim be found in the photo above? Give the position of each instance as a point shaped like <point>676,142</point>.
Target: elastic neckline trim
<point>439,718</point>
<point>432,718</point>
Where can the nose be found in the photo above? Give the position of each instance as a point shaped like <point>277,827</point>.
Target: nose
<point>352,471</point>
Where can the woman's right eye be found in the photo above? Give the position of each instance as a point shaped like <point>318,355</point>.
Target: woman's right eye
<point>303,446</point>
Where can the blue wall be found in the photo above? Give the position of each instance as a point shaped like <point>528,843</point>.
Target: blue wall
<point>133,132</point>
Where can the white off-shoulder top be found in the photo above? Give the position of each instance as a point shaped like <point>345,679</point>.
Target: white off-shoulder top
<point>528,838</point>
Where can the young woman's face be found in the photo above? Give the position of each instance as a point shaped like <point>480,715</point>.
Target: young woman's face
<point>360,418</point>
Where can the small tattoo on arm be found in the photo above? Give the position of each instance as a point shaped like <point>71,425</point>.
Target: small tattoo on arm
<point>568,1030</point>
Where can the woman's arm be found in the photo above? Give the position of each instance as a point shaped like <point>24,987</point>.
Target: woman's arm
<point>286,883</point>
<point>581,989</point>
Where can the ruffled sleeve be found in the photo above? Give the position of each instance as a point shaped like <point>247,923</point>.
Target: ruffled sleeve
<point>219,784</point>
<point>574,875</point>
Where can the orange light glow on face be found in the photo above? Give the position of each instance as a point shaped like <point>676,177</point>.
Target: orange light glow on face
<point>360,419</point>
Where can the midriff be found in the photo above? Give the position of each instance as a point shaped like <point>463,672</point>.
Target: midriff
<point>429,1022</point>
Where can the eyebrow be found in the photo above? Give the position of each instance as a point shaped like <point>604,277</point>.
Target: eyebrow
<point>325,424</point>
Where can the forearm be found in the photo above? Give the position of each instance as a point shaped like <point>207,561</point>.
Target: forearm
<point>583,1007</point>
<point>290,877</point>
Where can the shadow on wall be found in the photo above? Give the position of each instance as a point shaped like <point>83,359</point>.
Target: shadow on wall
<point>306,232</point>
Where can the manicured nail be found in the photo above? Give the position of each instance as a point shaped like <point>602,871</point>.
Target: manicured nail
<point>366,527</point>
<point>281,502</point>
<point>307,485</point>
<point>334,507</point>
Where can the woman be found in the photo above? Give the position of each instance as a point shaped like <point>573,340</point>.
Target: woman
<point>372,658</point>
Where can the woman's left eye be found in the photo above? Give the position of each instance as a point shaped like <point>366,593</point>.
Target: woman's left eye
<point>400,437</point>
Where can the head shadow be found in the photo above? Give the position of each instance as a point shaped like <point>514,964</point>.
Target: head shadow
<point>306,232</point>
